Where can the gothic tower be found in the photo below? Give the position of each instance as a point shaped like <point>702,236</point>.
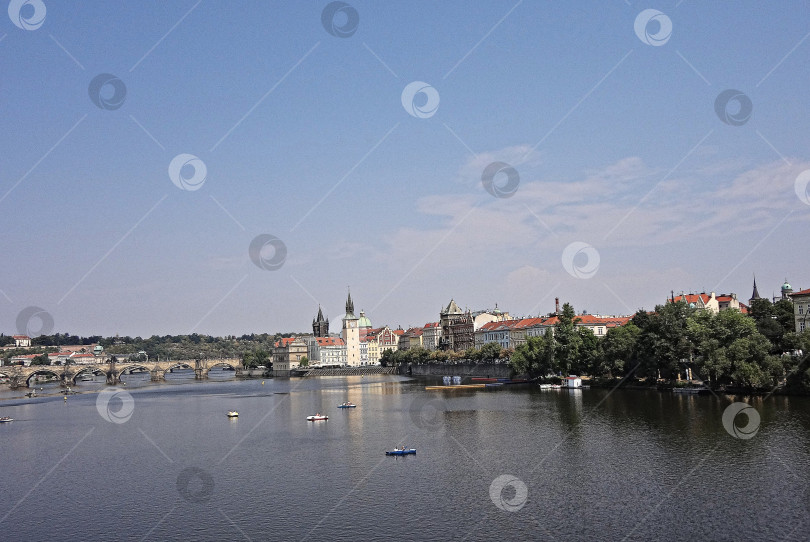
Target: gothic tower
<point>754,295</point>
<point>351,334</point>
<point>320,325</point>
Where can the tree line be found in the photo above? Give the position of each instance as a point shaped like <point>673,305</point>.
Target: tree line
<point>759,350</point>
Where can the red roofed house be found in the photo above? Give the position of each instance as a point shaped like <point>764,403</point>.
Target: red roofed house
<point>23,360</point>
<point>82,358</point>
<point>22,341</point>
<point>410,338</point>
<point>598,325</point>
<point>326,350</point>
<point>287,355</point>
<point>711,302</point>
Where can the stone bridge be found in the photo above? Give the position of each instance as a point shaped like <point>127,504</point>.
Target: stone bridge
<point>19,376</point>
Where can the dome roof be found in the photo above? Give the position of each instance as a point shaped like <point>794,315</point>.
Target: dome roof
<point>786,286</point>
<point>364,321</point>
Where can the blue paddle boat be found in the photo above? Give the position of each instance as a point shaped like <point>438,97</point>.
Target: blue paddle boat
<point>347,405</point>
<point>401,451</point>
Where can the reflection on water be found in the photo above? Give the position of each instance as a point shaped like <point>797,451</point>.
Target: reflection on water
<point>161,460</point>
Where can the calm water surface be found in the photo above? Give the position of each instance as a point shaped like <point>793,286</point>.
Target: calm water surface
<point>627,465</point>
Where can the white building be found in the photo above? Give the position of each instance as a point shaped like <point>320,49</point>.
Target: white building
<point>431,334</point>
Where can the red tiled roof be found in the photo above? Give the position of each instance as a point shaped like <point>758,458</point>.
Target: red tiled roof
<point>431,324</point>
<point>802,292</point>
<point>329,341</point>
<point>20,337</point>
<point>285,342</point>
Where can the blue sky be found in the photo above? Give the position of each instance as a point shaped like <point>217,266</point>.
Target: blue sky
<point>617,143</point>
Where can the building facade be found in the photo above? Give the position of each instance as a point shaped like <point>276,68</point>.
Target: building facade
<point>287,355</point>
<point>431,333</point>
<point>801,310</point>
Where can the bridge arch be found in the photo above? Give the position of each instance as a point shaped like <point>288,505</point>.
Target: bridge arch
<point>91,369</point>
<point>180,365</point>
<point>224,363</point>
<point>43,371</point>
<point>130,367</point>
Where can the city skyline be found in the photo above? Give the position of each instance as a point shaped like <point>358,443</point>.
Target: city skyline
<point>222,168</point>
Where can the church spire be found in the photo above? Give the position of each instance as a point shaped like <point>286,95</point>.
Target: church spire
<point>350,305</point>
<point>755,295</point>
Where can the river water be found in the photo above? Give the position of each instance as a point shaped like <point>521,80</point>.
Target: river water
<point>162,462</point>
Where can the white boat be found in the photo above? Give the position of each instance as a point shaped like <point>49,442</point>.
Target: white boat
<point>317,417</point>
<point>545,386</point>
<point>233,414</point>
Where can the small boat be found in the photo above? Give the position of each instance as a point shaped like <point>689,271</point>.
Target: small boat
<point>233,414</point>
<point>690,389</point>
<point>401,451</point>
<point>317,417</point>
<point>347,405</point>
<point>545,386</point>
<point>5,419</point>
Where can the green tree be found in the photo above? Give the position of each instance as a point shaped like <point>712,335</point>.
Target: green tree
<point>567,341</point>
<point>490,352</point>
<point>41,359</point>
<point>533,358</point>
<point>617,353</point>
<point>588,352</point>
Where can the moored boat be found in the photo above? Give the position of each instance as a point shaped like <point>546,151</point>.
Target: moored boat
<point>317,417</point>
<point>5,419</point>
<point>690,390</point>
<point>401,451</point>
<point>232,414</point>
<point>348,404</point>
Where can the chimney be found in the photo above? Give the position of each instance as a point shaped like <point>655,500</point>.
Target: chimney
<point>556,305</point>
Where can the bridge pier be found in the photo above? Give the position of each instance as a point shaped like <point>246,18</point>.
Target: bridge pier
<point>158,374</point>
<point>112,378</point>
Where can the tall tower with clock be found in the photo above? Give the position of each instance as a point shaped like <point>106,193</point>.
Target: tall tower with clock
<point>351,334</point>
